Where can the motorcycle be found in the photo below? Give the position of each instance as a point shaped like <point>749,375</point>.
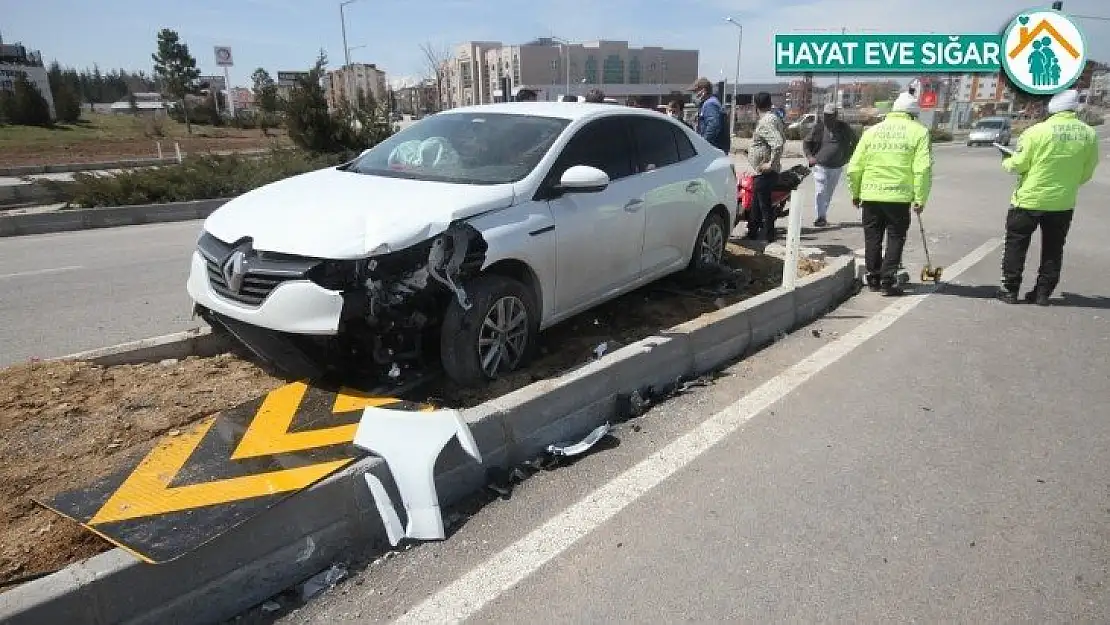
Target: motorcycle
<point>788,182</point>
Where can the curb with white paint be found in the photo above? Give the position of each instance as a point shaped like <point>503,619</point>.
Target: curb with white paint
<point>309,531</point>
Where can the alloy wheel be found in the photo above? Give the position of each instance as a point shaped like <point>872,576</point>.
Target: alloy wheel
<point>712,244</point>
<point>503,336</point>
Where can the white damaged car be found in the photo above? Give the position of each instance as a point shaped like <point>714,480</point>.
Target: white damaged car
<point>462,237</point>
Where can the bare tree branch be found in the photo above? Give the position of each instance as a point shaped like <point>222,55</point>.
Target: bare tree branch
<point>435,60</point>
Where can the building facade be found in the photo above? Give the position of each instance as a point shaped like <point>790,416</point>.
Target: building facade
<point>345,83</point>
<point>416,99</point>
<point>16,60</point>
<point>464,76</point>
<point>982,89</point>
<point>553,69</point>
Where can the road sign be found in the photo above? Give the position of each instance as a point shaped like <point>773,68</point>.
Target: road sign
<point>215,82</point>
<point>289,79</point>
<point>224,470</point>
<point>928,99</point>
<point>223,56</point>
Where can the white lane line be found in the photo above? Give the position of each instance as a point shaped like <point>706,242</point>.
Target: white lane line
<point>39,272</point>
<point>467,595</point>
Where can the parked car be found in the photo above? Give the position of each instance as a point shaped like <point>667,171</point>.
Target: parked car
<point>462,237</point>
<point>990,130</point>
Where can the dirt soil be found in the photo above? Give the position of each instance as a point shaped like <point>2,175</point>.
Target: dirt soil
<point>64,422</point>
<point>626,320</point>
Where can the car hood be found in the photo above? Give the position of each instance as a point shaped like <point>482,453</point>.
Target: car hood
<point>987,132</point>
<point>336,214</point>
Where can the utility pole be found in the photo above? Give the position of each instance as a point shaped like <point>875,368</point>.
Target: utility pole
<point>346,50</point>
<point>736,83</point>
<point>836,91</point>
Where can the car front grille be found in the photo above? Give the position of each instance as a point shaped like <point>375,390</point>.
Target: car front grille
<point>261,274</point>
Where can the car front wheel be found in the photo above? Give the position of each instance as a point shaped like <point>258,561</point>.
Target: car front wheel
<point>494,337</point>
<point>709,249</point>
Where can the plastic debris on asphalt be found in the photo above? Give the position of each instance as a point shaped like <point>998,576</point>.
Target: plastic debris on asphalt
<point>323,580</point>
<point>500,481</point>
<point>582,446</point>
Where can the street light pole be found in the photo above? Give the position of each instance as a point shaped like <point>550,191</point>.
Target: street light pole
<point>565,45</point>
<point>735,83</point>
<point>346,50</point>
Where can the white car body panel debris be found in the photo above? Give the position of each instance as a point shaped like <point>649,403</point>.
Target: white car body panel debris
<point>410,442</point>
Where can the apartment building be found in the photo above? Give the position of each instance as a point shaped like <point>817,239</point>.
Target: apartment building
<point>982,89</point>
<point>464,81</point>
<point>554,68</point>
<point>345,83</point>
<point>419,98</point>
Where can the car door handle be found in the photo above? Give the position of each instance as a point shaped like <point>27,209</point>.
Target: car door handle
<point>633,205</point>
<point>693,187</point>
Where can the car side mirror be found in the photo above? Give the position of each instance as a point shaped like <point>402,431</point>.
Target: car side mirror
<point>583,179</point>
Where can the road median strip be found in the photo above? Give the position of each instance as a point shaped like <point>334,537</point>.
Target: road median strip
<point>67,220</point>
<point>303,534</point>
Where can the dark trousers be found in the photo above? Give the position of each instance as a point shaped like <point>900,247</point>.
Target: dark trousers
<point>761,218</point>
<point>891,219</point>
<point>1020,226</point>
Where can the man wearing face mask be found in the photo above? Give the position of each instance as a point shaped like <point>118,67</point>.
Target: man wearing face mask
<point>828,147</point>
<point>712,120</point>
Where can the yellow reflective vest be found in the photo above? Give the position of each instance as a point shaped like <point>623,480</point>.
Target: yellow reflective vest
<point>1053,159</point>
<point>893,162</point>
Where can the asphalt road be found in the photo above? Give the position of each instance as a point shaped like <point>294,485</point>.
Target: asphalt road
<point>939,457</point>
<point>68,292</point>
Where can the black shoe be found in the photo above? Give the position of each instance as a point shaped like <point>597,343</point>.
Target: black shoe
<point>892,290</point>
<point>873,284</point>
<point>1010,297</point>
<point>820,223</point>
<point>1036,297</point>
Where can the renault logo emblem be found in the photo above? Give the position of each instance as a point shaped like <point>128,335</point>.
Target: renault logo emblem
<point>234,269</point>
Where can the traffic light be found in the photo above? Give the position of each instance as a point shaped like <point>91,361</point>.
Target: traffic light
<point>1057,6</point>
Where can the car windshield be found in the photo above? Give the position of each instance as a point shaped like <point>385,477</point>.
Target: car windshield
<point>464,148</point>
<point>990,124</point>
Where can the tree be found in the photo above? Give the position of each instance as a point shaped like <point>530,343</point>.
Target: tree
<point>27,106</point>
<point>65,85</point>
<point>265,98</point>
<point>175,69</point>
<point>435,59</point>
<point>313,128</point>
<point>878,92</point>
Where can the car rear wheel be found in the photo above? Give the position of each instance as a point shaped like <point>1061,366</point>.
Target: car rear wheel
<point>709,249</point>
<point>494,337</point>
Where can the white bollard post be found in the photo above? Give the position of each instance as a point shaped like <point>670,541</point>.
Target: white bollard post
<point>177,149</point>
<point>159,144</point>
<point>793,241</point>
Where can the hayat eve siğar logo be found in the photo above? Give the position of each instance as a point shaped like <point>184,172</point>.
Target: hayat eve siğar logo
<point>1043,51</point>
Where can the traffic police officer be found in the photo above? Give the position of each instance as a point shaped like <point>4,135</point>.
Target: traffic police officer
<point>891,170</point>
<point>1053,159</point>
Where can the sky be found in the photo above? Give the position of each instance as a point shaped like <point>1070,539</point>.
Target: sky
<point>287,34</point>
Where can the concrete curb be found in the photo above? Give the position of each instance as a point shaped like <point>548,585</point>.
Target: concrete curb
<point>324,523</point>
<point>28,194</point>
<point>199,342</point>
<point>61,168</point>
<point>108,217</point>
